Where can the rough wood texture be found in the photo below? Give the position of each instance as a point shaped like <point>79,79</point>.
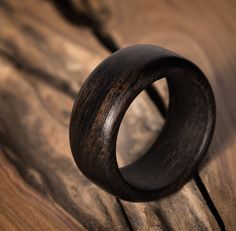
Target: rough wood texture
<point>25,209</point>
<point>204,32</point>
<point>44,60</point>
<point>41,71</point>
<point>35,125</point>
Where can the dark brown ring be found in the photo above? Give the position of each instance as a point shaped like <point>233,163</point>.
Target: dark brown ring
<point>102,103</point>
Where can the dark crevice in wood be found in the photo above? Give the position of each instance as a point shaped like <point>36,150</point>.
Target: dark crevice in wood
<point>125,214</point>
<point>105,40</point>
<point>154,94</point>
<point>165,224</point>
<point>6,7</point>
<point>88,18</point>
<point>209,201</point>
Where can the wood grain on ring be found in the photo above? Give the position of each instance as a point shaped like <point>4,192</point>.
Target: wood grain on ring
<point>101,105</point>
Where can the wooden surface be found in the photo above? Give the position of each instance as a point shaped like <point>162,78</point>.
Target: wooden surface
<point>23,208</point>
<point>44,59</point>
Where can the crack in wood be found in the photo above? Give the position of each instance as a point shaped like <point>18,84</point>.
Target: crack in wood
<point>125,214</point>
<point>88,17</point>
<point>210,203</point>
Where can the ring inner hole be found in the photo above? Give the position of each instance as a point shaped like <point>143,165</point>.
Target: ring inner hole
<point>172,155</point>
<point>141,125</point>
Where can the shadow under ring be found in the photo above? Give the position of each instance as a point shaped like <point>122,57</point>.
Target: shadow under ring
<point>100,107</point>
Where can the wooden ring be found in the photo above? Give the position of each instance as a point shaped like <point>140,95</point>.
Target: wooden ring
<point>102,103</point>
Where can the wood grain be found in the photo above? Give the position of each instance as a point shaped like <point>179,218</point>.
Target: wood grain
<point>19,202</point>
<point>35,125</point>
<point>203,32</point>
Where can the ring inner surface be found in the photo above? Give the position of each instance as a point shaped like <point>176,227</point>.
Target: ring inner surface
<point>174,154</point>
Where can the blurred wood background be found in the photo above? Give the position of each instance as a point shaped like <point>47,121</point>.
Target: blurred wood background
<point>47,49</point>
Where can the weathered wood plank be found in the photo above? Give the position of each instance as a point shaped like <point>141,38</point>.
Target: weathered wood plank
<point>47,59</point>
<point>35,114</point>
<point>41,70</point>
<point>204,32</point>
<point>31,126</point>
